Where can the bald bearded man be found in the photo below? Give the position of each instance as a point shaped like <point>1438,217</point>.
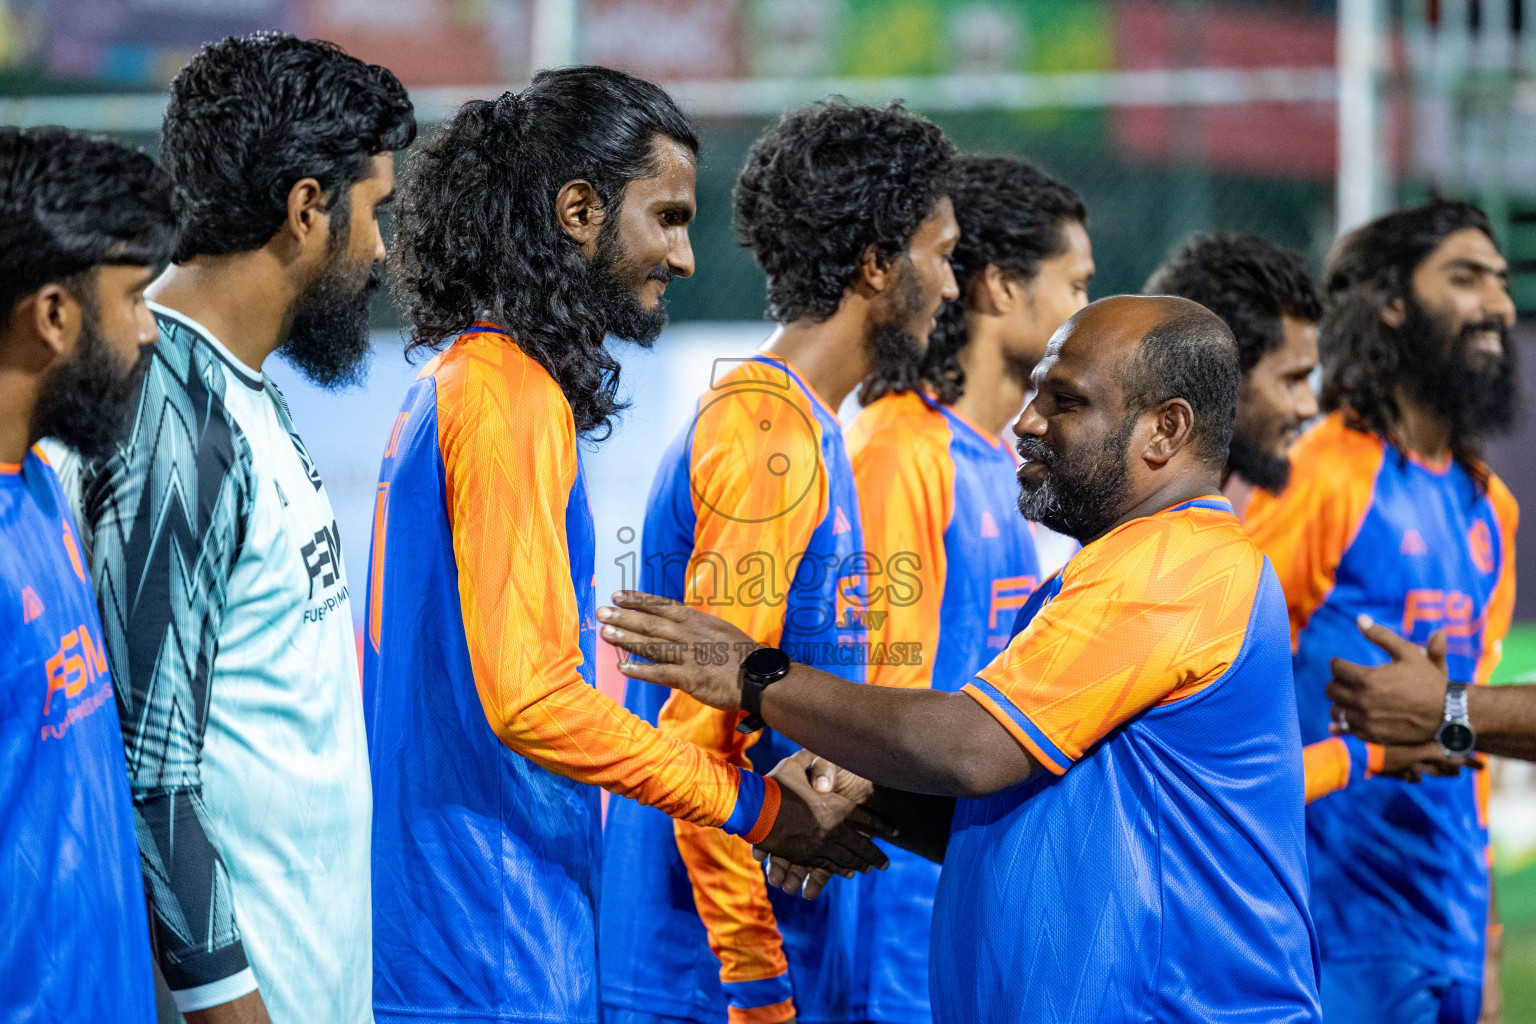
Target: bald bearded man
<point>1127,839</point>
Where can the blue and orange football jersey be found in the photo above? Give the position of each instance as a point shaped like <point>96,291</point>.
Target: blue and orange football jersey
<point>940,501</point>
<point>484,728</point>
<point>74,932</point>
<point>1399,870</point>
<point>754,517</point>
<point>1156,869</point>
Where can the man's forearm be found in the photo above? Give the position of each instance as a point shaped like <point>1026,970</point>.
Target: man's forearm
<point>923,741</point>
<point>922,821</point>
<point>1504,718</point>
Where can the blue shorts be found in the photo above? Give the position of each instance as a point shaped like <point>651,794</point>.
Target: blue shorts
<point>1393,992</point>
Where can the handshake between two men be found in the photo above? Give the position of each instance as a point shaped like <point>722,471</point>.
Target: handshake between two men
<point>824,826</point>
<point>876,761</point>
<point>826,821</point>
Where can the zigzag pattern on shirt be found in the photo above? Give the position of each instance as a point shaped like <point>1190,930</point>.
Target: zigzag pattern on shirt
<point>168,514</point>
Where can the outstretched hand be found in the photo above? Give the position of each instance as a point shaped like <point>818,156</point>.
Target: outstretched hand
<point>1413,763</point>
<point>686,649</point>
<point>836,787</point>
<point>821,830</point>
<point>1401,702</point>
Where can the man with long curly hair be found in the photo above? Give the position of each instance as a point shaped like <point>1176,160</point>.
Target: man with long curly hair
<point>1267,296</point>
<point>530,227</point>
<point>936,484</point>
<point>754,513</point>
<point>1390,515</point>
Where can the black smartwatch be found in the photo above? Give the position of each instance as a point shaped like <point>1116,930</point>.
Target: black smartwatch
<point>759,670</point>
<point>1456,735</point>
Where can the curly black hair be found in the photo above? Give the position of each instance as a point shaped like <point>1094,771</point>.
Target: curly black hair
<point>1012,216</point>
<point>70,202</point>
<point>251,115</point>
<point>476,235</point>
<point>823,185</point>
<point>1362,356</point>
<point>1248,281</point>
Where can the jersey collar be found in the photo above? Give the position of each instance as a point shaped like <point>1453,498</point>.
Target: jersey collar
<point>253,379</point>
<point>1215,502</point>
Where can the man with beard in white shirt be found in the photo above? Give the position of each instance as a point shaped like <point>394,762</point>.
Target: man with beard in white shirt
<point>213,546</point>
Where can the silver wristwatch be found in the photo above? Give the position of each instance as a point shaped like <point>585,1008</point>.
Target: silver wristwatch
<point>1456,735</point>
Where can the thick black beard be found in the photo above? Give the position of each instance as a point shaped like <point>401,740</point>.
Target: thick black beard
<point>328,341</point>
<point>1259,466</point>
<point>616,299</point>
<point>1082,495</point>
<point>1475,400</point>
<point>894,352</point>
<point>87,402</point>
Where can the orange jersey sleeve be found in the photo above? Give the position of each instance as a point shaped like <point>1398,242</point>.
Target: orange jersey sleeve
<point>1334,763</point>
<point>1306,529</point>
<point>1501,606</point>
<point>906,483</point>
<point>759,492</point>
<point>1151,613</point>
<point>508,445</point>
<point>1501,610</point>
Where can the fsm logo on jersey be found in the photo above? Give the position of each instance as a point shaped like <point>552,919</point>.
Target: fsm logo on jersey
<point>322,561</point>
<point>79,664</point>
<point>322,557</point>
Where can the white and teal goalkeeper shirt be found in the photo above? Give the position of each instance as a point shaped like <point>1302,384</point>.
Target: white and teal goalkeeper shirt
<point>228,623</point>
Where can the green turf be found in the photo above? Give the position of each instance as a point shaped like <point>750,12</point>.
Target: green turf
<point>1517,906</point>
<point>1517,889</point>
<point>1519,974</point>
<point>1519,661</point>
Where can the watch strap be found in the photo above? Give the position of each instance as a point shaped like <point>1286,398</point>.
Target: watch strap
<point>1458,718</point>
<point>754,682</point>
<point>752,704</point>
<point>1456,702</point>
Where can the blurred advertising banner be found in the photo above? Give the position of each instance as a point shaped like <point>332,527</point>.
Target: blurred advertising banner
<point>130,42</point>
<point>663,39</point>
<point>429,42</point>
<point>1274,139</point>
<point>138,43</point>
<point>484,42</point>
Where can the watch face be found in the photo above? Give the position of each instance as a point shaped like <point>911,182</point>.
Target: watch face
<point>1456,738</point>
<point>766,663</point>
